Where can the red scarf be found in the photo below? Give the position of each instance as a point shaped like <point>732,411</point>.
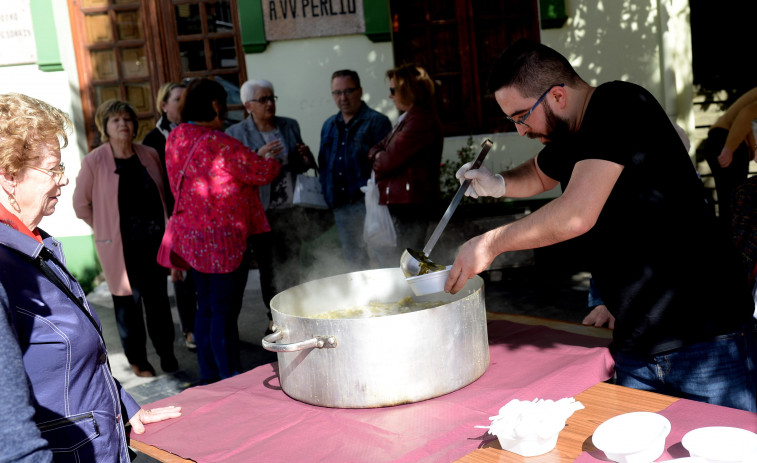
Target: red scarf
<point>14,222</point>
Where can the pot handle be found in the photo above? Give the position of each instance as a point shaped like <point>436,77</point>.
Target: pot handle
<point>319,342</point>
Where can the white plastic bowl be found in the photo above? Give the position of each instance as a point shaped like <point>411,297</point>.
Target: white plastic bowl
<point>637,437</point>
<point>532,428</point>
<point>429,283</point>
<point>529,446</point>
<point>721,444</point>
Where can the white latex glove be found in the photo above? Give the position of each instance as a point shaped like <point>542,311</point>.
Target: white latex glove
<point>484,183</point>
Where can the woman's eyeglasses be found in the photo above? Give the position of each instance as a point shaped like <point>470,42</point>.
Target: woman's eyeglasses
<point>265,99</point>
<point>392,90</point>
<point>57,174</point>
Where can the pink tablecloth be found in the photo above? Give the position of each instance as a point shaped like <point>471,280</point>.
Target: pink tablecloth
<point>685,415</point>
<point>249,417</point>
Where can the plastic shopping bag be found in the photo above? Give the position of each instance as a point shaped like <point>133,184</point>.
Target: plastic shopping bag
<point>378,229</point>
<point>307,192</point>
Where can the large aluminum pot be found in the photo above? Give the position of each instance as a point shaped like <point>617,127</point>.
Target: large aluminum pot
<point>379,361</point>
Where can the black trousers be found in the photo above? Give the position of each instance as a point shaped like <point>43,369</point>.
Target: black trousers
<point>261,247</point>
<point>186,302</point>
<point>726,178</point>
<point>149,287</point>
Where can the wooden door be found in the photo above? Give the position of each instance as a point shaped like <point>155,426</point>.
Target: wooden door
<point>126,49</point>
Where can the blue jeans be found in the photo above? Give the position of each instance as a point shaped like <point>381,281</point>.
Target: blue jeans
<point>720,371</point>
<point>349,220</point>
<point>219,302</point>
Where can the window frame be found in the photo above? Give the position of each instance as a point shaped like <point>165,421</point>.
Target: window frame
<point>160,41</point>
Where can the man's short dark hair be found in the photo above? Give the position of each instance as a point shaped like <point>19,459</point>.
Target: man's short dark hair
<point>347,73</point>
<point>196,102</point>
<point>532,68</point>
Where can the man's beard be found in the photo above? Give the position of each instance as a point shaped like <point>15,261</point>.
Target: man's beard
<point>557,128</point>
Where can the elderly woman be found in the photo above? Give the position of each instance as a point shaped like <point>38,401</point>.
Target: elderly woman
<point>167,106</point>
<point>407,161</point>
<point>77,403</point>
<point>119,193</point>
<point>265,132</point>
<point>215,180</point>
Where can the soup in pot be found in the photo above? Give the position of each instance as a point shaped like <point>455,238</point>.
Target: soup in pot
<point>379,309</point>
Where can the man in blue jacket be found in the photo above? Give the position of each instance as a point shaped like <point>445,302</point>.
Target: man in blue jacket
<point>344,166</point>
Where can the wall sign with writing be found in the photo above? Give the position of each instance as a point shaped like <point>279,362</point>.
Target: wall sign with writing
<point>17,34</point>
<point>296,19</point>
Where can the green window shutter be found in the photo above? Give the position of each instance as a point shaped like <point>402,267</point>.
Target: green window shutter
<point>45,35</point>
<point>377,21</point>
<point>552,13</point>
<point>251,23</point>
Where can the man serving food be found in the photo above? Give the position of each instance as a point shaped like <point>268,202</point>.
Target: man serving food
<point>682,305</point>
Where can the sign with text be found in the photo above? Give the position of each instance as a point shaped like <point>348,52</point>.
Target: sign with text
<point>17,34</point>
<point>297,19</point>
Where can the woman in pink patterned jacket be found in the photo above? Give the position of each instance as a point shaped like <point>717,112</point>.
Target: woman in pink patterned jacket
<point>217,209</point>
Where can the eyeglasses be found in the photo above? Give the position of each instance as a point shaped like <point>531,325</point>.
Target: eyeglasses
<point>57,174</point>
<point>346,92</point>
<point>265,99</point>
<point>392,90</point>
<point>522,120</point>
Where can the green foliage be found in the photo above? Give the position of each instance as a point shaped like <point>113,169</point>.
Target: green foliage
<point>450,184</point>
<point>89,278</point>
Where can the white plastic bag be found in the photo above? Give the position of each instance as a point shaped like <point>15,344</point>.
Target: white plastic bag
<point>378,229</point>
<point>307,192</point>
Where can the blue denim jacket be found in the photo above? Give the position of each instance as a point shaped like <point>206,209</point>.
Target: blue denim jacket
<point>367,128</point>
<point>78,404</point>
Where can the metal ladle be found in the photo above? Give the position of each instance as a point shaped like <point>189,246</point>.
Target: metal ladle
<point>414,263</point>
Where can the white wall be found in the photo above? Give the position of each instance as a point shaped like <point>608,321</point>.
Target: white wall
<point>647,42</point>
<point>300,71</point>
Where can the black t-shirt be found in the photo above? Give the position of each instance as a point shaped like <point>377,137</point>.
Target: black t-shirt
<point>155,139</point>
<point>141,214</point>
<point>660,266</point>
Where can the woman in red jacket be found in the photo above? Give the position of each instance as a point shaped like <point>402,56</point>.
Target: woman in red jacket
<point>217,209</point>
<point>407,160</point>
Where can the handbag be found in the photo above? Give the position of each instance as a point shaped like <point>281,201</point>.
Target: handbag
<point>378,228</point>
<point>308,192</point>
<point>166,256</point>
